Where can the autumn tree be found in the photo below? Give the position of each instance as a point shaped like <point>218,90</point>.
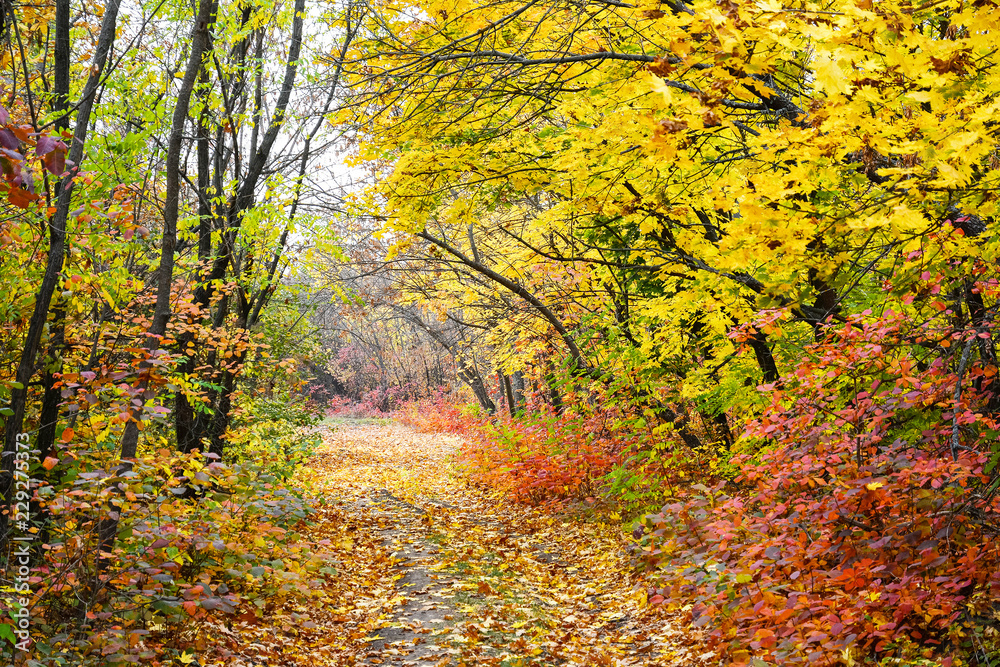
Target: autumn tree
<point>722,186</point>
<point>161,182</point>
<point>686,125</point>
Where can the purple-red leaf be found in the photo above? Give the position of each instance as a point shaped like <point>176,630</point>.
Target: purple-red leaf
<point>45,145</point>
<point>53,154</point>
<point>8,140</point>
<point>55,161</point>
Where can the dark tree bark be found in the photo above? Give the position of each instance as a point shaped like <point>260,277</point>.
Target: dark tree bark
<point>49,418</point>
<point>54,263</point>
<point>468,374</point>
<point>509,392</point>
<point>200,44</point>
<point>517,384</point>
<point>762,351</point>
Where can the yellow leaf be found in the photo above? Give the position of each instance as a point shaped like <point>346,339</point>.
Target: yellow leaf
<point>830,77</point>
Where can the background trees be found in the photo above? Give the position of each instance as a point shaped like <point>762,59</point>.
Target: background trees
<point>695,166</point>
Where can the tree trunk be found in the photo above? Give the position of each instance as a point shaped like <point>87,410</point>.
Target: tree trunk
<point>54,263</point>
<point>517,384</point>
<point>49,419</point>
<point>470,376</point>
<point>200,43</point>
<point>762,351</point>
<point>509,391</point>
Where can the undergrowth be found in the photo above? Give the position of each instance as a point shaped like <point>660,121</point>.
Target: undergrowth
<point>195,538</point>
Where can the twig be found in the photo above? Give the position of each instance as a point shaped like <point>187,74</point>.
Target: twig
<point>963,362</point>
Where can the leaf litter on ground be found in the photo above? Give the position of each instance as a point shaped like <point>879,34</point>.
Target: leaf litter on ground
<point>423,568</point>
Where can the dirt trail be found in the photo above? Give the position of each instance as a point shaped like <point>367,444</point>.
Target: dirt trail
<point>432,572</point>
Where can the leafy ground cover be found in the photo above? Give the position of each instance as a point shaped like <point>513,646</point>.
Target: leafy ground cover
<point>429,570</point>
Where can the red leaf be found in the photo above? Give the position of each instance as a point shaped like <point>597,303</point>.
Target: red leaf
<point>22,131</point>
<point>21,198</point>
<point>55,161</point>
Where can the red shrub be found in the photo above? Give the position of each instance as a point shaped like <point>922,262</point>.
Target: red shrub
<point>865,524</point>
<point>444,412</point>
<point>541,456</point>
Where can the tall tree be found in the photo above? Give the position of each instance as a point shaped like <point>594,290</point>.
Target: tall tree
<point>57,247</point>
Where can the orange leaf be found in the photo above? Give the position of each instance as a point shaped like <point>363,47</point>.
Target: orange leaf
<point>68,434</point>
<point>49,463</point>
<point>21,198</point>
<point>21,131</point>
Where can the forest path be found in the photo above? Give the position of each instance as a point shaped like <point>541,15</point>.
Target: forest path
<point>432,571</point>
